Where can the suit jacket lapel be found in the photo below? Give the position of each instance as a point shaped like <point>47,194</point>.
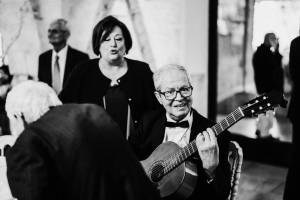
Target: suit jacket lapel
<point>159,131</point>
<point>197,125</point>
<point>156,136</point>
<point>47,70</point>
<point>128,85</point>
<point>69,63</point>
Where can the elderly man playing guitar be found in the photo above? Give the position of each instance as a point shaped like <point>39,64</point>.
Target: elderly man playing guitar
<point>181,155</point>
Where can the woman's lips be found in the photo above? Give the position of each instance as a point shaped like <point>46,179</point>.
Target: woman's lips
<point>113,51</point>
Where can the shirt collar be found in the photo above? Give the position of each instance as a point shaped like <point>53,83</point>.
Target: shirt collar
<point>188,117</point>
<point>61,53</point>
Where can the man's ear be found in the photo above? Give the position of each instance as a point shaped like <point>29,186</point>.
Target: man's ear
<point>158,97</point>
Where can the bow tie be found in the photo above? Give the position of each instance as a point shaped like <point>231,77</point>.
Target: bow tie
<point>183,124</point>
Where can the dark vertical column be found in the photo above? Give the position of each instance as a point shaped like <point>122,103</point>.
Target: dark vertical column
<point>212,60</point>
<point>245,42</point>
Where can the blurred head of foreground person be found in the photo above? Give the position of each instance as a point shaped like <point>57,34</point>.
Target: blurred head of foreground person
<point>27,102</point>
<point>76,152</point>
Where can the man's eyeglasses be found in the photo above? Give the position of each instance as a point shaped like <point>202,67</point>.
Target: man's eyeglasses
<point>171,94</point>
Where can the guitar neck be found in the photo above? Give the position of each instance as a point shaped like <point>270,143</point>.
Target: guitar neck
<point>228,121</point>
<point>181,155</point>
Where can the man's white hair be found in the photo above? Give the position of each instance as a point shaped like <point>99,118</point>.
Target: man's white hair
<point>30,100</point>
<point>63,24</point>
<point>159,74</point>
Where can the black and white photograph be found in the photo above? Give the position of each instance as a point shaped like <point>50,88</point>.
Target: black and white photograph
<point>149,99</point>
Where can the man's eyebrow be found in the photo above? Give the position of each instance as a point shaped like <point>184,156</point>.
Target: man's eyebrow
<point>168,89</point>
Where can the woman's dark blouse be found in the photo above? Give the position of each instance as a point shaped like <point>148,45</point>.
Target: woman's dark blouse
<point>87,84</point>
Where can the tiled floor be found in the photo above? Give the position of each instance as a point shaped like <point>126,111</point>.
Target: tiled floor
<point>261,182</point>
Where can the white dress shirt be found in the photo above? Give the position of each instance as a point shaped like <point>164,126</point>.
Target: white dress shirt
<point>179,135</point>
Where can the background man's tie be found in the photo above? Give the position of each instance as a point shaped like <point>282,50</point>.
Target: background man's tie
<point>56,82</point>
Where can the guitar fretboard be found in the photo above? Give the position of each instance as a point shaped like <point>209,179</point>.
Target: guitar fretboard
<point>181,155</point>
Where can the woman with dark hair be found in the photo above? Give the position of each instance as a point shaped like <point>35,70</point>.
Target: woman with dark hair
<point>124,87</point>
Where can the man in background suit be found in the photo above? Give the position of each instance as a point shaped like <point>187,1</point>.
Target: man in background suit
<point>181,124</point>
<point>61,59</point>
<point>268,76</point>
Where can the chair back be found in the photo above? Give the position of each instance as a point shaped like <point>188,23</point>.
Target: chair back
<point>235,158</point>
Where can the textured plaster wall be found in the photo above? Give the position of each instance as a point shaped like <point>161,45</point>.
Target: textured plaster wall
<point>27,34</point>
<point>19,35</point>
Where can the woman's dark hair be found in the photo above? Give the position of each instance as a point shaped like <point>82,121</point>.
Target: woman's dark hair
<point>106,26</point>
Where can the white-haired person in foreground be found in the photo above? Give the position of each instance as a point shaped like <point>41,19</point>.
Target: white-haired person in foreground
<point>76,151</point>
<point>27,102</point>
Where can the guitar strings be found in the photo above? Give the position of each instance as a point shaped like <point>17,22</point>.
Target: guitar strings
<point>171,162</point>
<point>166,164</point>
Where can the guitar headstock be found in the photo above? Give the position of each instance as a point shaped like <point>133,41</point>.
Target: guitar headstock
<point>263,103</point>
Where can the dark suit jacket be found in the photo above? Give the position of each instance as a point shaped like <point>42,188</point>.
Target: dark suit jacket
<point>74,57</point>
<point>294,64</point>
<point>150,135</point>
<point>75,152</point>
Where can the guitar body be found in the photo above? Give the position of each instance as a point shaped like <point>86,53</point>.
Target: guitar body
<point>177,182</point>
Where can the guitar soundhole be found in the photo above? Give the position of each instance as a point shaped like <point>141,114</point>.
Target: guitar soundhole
<point>157,172</point>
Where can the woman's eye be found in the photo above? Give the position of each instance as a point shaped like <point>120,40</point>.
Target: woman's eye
<point>119,39</point>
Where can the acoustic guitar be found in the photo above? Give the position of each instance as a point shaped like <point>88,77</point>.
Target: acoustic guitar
<point>166,166</point>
